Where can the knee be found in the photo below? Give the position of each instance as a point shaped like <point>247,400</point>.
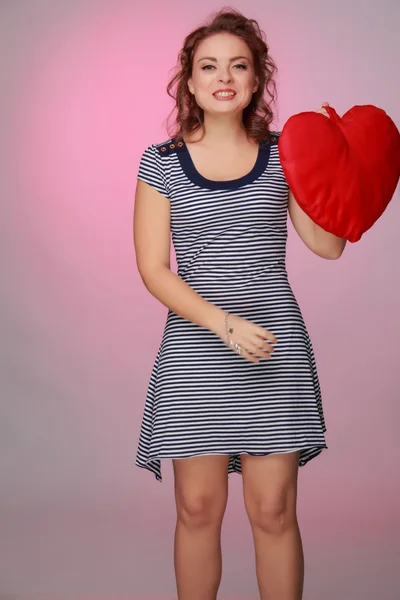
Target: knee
<point>200,509</point>
<point>272,517</point>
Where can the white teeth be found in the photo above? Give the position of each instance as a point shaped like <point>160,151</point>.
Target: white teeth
<point>224,94</point>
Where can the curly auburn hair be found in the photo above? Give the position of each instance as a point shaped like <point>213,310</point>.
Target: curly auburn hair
<point>258,115</point>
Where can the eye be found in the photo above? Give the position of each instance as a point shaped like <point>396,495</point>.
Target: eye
<point>207,67</point>
<point>241,66</point>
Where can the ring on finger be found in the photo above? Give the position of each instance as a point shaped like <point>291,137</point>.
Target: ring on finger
<point>236,347</point>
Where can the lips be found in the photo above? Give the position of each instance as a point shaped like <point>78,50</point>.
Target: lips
<point>224,94</point>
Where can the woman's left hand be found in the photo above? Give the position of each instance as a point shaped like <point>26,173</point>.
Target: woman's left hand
<point>322,109</point>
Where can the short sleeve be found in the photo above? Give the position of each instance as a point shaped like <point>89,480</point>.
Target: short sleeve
<point>151,170</point>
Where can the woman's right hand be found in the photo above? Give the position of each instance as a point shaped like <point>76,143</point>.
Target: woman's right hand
<point>255,341</point>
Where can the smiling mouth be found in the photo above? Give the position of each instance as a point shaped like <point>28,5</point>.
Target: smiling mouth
<point>224,95</point>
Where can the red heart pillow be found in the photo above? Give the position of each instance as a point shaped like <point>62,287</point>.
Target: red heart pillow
<point>343,172</point>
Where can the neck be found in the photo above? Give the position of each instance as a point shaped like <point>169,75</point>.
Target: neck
<point>223,129</point>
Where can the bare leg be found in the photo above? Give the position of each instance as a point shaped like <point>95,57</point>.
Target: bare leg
<point>201,492</point>
<point>270,492</point>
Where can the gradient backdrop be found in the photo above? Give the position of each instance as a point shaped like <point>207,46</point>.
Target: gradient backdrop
<point>82,95</point>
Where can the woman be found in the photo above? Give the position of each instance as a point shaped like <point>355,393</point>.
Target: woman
<point>234,387</point>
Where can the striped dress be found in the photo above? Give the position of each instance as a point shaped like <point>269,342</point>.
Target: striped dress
<point>230,243</point>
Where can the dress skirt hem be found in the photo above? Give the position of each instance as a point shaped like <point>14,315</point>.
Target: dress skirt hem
<point>307,453</point>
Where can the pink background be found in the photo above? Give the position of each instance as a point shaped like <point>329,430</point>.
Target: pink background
<point>82,95</point>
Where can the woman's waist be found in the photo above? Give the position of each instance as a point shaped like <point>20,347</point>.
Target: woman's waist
<point>248,288</point>
<point>268,297</point>
<point>226,273</point>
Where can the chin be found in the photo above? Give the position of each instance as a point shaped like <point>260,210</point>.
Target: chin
<point>225,108</point>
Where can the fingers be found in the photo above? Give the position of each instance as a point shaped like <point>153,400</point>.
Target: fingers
<point>263,351</point>
<point>253,351</point>
<point>250,357</point>
<point>322,111</point>
<point>261,345</point>
<point>265,334</point>
<point>255,342</point>
<point>255,354</point>
<point>258,347</point>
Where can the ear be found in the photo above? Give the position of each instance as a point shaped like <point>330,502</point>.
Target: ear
<point>256,84</point>
<point>190,85</point>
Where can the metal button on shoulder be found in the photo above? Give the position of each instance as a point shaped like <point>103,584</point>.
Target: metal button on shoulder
<point>180,144</point>
<point>163,149</point>
<point>172,146</point>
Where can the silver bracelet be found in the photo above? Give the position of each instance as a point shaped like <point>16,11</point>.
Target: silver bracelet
<point>227,330</point>
<point>236,347</point>
<point>226,327</point>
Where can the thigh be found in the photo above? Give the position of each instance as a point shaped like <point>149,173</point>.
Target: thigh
<point>270,484</point>
<point>201,486</point>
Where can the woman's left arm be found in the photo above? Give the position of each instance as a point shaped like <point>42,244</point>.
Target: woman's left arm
<point>324,244</point>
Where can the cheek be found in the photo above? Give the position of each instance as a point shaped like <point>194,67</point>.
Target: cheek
<point>249,80</point>
<point>203,88</point>
<point>203,80</point>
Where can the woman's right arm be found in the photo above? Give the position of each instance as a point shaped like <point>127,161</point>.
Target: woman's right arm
<point>151,234</point>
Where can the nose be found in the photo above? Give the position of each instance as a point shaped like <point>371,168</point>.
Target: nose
<point>225,75</point>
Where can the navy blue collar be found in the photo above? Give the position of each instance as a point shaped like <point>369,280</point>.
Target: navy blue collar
<point>195,177</point>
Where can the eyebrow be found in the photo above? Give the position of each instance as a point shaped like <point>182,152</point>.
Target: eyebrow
<point>231,60</point>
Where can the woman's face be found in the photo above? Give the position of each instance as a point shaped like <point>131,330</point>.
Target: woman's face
<point>223,79</point>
